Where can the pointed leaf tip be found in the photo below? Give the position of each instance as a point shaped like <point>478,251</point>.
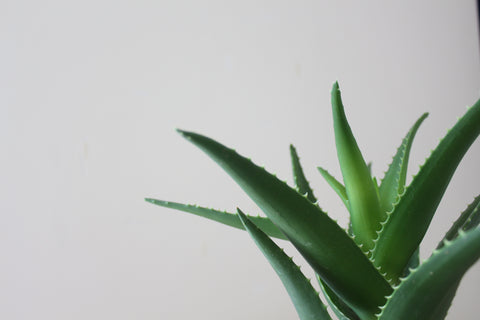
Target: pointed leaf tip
<point>364,205</point>
<point>413,214</point>
<point>305,224</point>
<point>299,176</point>
<point>335,86</point>
<point>182,132</point>
<point>393,183</point>
<point>223,217</point>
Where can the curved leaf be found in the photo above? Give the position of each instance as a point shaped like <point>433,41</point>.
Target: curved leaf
<point>413,213</point>
<point>413,263</point>
<point>303,295</point>
<point>299,177</point>
<point>393,184</point>
<point>324,244</point>
<point>336,185</point>
<point>459,224</point>
<point>473,220</point>
<point>426,293</point>
<point>340,308</point>
<point>365,212</point>
<point>223,217</point>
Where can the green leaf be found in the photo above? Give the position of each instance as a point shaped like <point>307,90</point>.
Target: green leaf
<point>299,177</point>
<point>461,222</point>
<point>393,184</point>
<point>467,220</point>
<point>223,217</point>
<point>336,185</point>
<point>340,308</point>
<point>473,220</point>
<point>416,207</point>
<point>324,244</point>
<point>426,293</point>
<point>366,214</point>
<point>413,263</point>
<point>303,295</point>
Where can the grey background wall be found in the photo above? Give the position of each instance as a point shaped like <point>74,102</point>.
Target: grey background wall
<point>90,94</point>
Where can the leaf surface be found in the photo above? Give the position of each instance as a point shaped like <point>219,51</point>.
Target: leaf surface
<point>223,217</point>
<point>461,222</point>
<point>365,212</point>
<point>336,185</point>
<point>414,212</point>
<point>413,263</point>
<point>393,184</point>
<point>340,308</point>
<point>304,297</point>
<point>324,244</point>
<point>427,292</point>
<point>299,177</point>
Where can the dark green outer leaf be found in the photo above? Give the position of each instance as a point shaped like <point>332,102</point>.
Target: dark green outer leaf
<point>393,183</point>
<point>223,217</point>
<point>365,212</point>
<point>299,177</point>
<point>458,225</point>
<point>465,223</point>
<point>325,245</point>
<point>473,220</point>
<point>413,263</point>
<point>414,212</point>
<point>427,292</point>
<point>303,295</point>
<point>445,303</point>
<point>340,308</point>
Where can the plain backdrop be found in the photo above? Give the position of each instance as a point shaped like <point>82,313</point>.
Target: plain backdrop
<point>90,95</point>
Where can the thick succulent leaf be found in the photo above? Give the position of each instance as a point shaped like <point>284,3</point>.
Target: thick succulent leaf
<point>427,292</point>
<point>300,181</point>
<point>376,187</point>
<point>340,308</point>
<point>414,212</point>
<point>223,217</point>
<point>473,220</point>
<point>393,184</point>
<point>412,263</point>
<point>304,297</point>
<point>365,212</point>
<point>460,223</point>
<point>444,304</point>
<point>467,220</point>
<point>324,244</point>
<point>336,185</point>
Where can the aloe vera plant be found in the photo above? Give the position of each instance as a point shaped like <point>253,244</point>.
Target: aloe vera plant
<point>371,270</point>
